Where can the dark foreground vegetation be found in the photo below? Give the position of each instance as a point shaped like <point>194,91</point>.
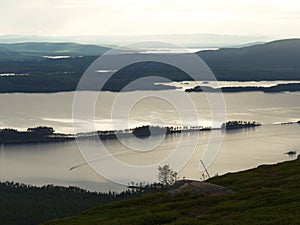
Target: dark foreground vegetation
<point>22,204</point>
<point>266,195</point>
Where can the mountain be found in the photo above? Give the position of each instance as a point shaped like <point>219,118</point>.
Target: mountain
<point>33,50</point>
<point>277,60</point>
<point>200,40</point>
<point>269,61</point>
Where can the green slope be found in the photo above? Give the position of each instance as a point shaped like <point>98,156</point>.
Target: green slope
<point>265,195</point>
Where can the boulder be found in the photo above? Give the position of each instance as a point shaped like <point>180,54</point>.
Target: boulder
<point>200,187</point>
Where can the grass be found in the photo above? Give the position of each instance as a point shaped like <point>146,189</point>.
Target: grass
<point>264,195</point>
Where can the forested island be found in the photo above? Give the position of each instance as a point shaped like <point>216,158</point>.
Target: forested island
<point>48,134</point>
<point>233,125</point>
<point>292,87</point>
<point>32,135</point>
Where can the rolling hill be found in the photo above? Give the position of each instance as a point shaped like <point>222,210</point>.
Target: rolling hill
<point>277,60</point>
<point>54,48</point>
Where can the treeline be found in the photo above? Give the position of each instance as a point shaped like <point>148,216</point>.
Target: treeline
<point>231,125</point>
<point>47,134</point>
<point>36,134</point>
<point>292,87</point>
<point>142,132</point>
<point>22,204</point>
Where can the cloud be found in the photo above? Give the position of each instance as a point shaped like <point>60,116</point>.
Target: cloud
<point>67,17</point>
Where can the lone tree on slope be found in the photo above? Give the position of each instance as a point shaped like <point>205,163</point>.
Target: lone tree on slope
<point>166,176</point>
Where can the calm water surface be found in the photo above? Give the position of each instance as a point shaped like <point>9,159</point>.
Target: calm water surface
<point>50,162</point>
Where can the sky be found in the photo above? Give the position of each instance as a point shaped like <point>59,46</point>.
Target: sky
<point>277,18</point>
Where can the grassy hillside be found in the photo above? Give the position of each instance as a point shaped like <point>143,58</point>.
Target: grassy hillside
<point>265,195</point>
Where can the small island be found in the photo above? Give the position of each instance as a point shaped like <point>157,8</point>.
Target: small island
<point>233,125</point>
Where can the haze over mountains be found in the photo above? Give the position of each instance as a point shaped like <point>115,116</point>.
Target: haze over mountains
<point>277,60</point>
<point>35,50</point>
<point>42,48</point>
<point>185,40</point>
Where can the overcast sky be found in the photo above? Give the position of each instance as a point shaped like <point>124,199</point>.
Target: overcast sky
<point>277,18</point>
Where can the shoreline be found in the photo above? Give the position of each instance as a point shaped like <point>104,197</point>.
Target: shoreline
<point>279,88</point>
<point>142,132</point>
<point>100,192</point>
<point>11,136</point>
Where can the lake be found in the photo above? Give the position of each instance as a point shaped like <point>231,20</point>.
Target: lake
<point>51,162</point>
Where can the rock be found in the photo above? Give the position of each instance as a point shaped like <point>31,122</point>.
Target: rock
<point>200,187</point>
<point>291,153</point>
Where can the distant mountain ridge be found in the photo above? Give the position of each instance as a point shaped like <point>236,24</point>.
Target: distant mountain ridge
<point>273,60</point>
<point>30,50</point>
<point>277,60</point>
<point>200,40</point>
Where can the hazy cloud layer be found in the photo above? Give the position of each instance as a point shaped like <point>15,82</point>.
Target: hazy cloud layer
<point>278,18</point>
